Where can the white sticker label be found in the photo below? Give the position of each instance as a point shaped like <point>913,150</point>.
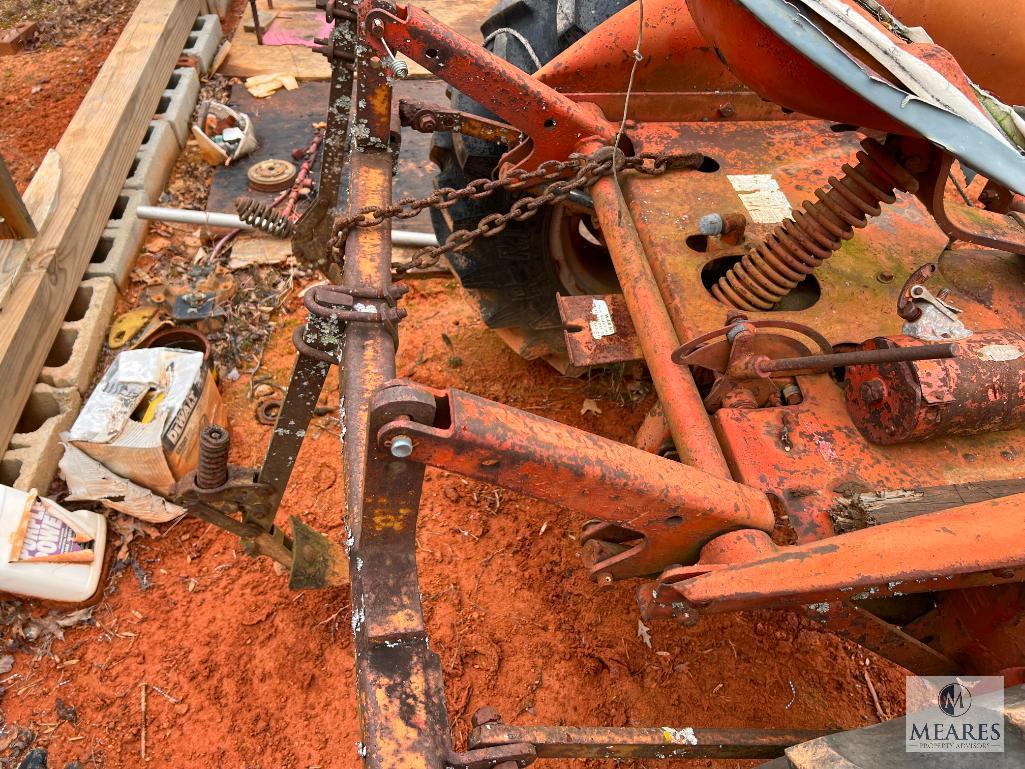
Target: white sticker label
<point>762,197</point>
<point>602,324</point>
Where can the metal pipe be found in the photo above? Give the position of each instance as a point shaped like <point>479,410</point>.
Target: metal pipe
<point>217,220</point>
<point>685,412</point>
<point>855,358</point>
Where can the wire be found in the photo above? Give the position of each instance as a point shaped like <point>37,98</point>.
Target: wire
<point>638,58</point>
<point>523,41</point>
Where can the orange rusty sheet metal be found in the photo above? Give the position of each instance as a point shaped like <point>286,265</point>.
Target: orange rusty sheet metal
<point>966,546</point>
<point>673,508</point>
<point>761,170</point>
<point>679,77</point>
<point>598,330</point>
<point>775,70</point>
<point>987,38</point>
<point>555,123</point>
<point>814,460</point>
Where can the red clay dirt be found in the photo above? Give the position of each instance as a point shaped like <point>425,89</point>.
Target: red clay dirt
<point>256,676</point>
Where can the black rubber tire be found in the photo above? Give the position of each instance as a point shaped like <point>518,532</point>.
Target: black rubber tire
<point>511,275</point>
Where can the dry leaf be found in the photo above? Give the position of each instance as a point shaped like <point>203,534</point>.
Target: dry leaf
<point>590,407</point>
<point>644,633</point>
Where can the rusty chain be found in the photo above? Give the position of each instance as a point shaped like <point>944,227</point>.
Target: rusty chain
<point>587,169</point>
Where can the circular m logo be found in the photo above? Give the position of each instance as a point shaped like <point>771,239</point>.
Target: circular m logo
<point>954,699</point>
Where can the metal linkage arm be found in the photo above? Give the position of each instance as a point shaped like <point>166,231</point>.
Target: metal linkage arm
<point>657,511</point>
<point>555,123</point>
<point>969,546</point>
<point>651,742</point>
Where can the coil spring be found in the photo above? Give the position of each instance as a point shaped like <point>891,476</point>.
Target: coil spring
<point>801,243</point>
<point>263,217</point>
<point>212,471</point>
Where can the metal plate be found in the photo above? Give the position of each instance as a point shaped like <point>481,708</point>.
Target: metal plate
<point>598,330</point>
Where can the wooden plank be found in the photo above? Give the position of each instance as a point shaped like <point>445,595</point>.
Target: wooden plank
<point>40,202</point>
<point>15,220</point>
<point>95,154</point>
<point>874,509</point>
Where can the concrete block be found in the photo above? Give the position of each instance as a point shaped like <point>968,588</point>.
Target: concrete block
<point>72,359</point>
<point>204,40</point>
<point>179,100</point>
<point>31,459</point>
<point>121,240</point>
<point>153,162</point>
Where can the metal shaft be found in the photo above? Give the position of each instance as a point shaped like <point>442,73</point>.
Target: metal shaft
<point>857,358</point>
<point>684,410</point>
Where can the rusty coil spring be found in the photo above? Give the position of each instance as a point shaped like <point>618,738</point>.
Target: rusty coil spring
<point>263,217</point>
<point>768,272</point>
<point>212,472</point>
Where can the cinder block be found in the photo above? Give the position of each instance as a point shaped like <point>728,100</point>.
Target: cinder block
<point>153,162</point>
<point>72,359</point>
<point>204,40</point>
<point>121,240</point>
<point>31,459</point>
<point>178,101</point>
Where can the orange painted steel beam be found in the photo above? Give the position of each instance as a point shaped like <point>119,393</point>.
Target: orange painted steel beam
<point>674,508</point>
<point>967,546</point>
<point>684,410</point>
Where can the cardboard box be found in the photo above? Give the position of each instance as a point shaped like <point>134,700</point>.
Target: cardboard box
<point>143,420</point>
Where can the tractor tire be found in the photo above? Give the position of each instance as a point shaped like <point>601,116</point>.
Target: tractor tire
<point>512,276</point>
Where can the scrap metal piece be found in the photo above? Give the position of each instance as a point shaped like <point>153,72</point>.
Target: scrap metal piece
<point>317,562</point>
<point>127,325</point>
<point>598,330</point>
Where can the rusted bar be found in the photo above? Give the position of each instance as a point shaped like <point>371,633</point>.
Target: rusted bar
<point>968,546</point>
<point>654,742</point>
<point>684,410</point>
<point>398,678</point>
<point>672,508</point>
<point>555,122</point>
<point>855,358</point>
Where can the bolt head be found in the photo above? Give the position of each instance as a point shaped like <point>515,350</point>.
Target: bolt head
<point>428,123</point>
<point>401,446</point>
<point>873,391</point>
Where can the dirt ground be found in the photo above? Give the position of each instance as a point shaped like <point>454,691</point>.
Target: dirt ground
<point>241,672</point>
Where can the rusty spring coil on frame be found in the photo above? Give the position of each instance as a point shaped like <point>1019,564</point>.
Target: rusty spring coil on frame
<point>263,217</point>
<point>212,470</point>
<point>771,270</point>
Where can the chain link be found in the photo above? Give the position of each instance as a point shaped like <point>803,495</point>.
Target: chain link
<point>586,170</point>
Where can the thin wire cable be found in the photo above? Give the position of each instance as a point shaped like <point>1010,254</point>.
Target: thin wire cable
<point>638,58</point>
<point>523,41</point>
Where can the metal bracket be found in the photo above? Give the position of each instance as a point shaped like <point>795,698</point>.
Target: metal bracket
<point>428,118</point>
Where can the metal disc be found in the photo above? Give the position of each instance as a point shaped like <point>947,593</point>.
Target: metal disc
<point>271,175</point>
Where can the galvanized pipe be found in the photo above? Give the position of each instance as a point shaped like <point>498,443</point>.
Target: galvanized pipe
<point>684,410</point>
<point>217,220</point>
